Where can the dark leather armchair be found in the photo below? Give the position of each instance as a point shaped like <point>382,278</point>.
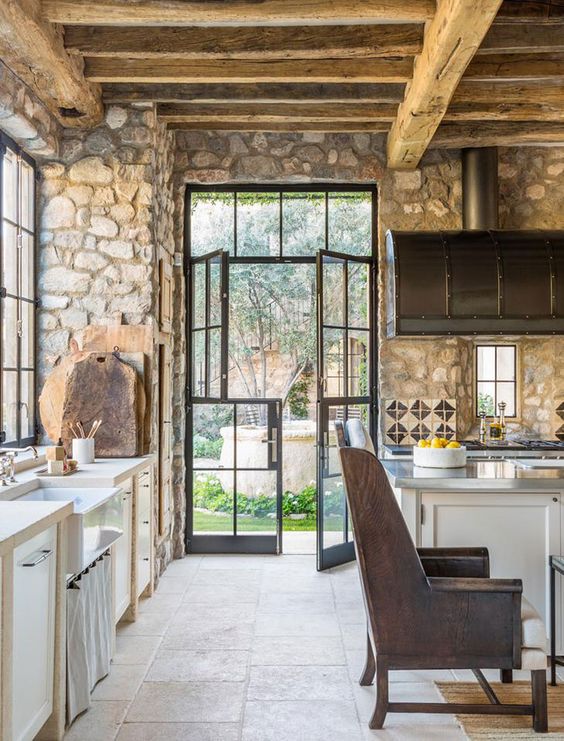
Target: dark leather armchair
<point>433,608</point>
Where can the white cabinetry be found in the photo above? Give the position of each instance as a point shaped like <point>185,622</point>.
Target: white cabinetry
<point>33,647</point>
<point>143,526</point>
<point>121,556</point>
<point>520,531</point>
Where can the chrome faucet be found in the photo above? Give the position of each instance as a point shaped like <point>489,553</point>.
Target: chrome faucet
<point>8,463</point>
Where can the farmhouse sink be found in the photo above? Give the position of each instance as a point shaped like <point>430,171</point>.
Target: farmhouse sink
<point>538,462</point>
<point>95,524</point>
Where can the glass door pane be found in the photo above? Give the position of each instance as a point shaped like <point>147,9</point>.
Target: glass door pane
<point>346,388</point>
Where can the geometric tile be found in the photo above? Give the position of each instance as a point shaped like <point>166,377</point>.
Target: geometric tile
<point>560,433</point>
<point>444,408</point>
<point>420,408</point>
<point>396,409</point>
<point>397,433</point>
<point>420,432</point>
<point>560,410</point>
<point>445,430</point>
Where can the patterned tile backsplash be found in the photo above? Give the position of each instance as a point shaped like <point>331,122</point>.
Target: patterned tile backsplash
<point>560,413</point>
<point>406,421</point>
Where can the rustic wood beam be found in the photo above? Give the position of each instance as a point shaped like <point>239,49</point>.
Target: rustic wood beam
<point>107,69</point>
<point>275,42</point>
<point>469,91</point>
<point>372,127</point>
<point>524,10</point>
<point>501,111</point>
<point>511,67</point>
<point>451,40</point>
<point>239,13</point>
<point>517,38</point>
<point>273,112</point>
<point>490,134</point>
<point>34,51</point>
<point>253,93</point>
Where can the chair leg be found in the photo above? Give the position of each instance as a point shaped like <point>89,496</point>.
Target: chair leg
<point>381,707</point>
<point>540,710</point>
<point>367,675</point>
<point>506,676</point>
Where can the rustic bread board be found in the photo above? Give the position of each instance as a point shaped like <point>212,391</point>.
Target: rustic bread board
<point>101,386</point>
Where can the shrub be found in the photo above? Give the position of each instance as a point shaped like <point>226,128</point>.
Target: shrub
<point>204,448</point>
<point>298,398</point>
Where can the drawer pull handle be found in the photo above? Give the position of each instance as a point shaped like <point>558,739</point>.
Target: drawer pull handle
<point>36,558</point>
<point>146,558</point>
<point>145,522</point>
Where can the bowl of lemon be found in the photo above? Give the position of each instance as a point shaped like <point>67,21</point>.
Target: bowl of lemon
<point>438,452</point>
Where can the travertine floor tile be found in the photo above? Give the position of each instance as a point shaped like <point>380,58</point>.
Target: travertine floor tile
<point>199,666</point>
<point>290,721</point>
<point>188,702</point>
<point>179,732</point>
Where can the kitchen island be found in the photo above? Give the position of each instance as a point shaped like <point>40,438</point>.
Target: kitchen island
<point>516,512</point>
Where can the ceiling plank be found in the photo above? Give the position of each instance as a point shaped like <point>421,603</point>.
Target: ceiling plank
<point>469,91</point>
<point>253,93</point>
<point>34,51</point>
<point>512,67</point>
<point>278,42</point>
<point>524,11</point>
<point>309,112</point>
<point>240,12</point>
<point>501,111</point>
<point>451,40</point>
<point>517,38</point>
<point>490,134</point>
<point>372,127</point>
<point>107,69</point>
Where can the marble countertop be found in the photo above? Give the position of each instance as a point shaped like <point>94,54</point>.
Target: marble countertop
<point>20,521</point>
<point>477,475</point>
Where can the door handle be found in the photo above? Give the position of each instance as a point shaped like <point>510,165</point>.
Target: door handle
<point>36,558</point>
<point>272,441</point>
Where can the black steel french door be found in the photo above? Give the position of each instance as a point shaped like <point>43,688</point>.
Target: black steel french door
<point>346,386</point>
<point>233,445</point>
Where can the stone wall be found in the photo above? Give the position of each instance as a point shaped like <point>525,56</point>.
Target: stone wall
<point>106,220</point>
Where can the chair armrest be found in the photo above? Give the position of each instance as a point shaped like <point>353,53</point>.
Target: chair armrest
<point>455,562</point>
<point>439,584</point>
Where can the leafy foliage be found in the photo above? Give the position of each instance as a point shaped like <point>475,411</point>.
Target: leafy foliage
<point>298,398</point>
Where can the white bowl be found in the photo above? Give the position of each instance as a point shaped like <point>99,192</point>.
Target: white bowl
<point>439,457</point>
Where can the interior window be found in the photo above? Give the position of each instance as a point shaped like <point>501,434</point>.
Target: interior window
<point>496,379</point>
<point>17,293</point>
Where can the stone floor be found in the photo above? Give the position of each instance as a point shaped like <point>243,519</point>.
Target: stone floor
<point>251,648</point>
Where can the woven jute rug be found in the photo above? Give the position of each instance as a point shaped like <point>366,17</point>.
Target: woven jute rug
<point>498,727</point>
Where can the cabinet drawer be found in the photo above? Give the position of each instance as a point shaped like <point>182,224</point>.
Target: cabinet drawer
<point>143,552</point>
<point>35,564</point>
<point>121,557</point>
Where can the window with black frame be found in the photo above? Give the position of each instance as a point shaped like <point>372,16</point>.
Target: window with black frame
<point>18,304</point>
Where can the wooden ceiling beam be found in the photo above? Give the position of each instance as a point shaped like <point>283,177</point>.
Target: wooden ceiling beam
<point>373,127</point>
<point>517,38</point>
<point>107,69</point>
<point>524,11</point>
<point>501,111</point>
<point>254,93</point>
<point>34,51</point>
<point>509,67</point>
<point>492,134</point>
<point>469,91</point>
<point>277,42</point>
<point>239,13</point>
<point>309,112</point>
<point>451,40</point>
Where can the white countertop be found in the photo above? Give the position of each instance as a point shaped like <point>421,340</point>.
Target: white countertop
<point>478,475</point>
<point>20,521</point>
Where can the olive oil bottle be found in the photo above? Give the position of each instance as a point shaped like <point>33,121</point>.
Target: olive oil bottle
<point>495,430</point>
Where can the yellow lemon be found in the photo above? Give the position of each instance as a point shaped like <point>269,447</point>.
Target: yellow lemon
<point>444,441</point>
<point>436,443</point>
<point>453,444</point>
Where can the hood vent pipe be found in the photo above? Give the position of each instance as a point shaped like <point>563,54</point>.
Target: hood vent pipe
<point>479,188</point>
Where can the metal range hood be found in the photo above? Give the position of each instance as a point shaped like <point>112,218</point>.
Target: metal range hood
<point>480,280</point>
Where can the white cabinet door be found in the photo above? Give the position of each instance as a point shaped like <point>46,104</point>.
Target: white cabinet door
<point>121,555</point>
<point>144,515</point>
<point>34,633</point>
<point>520,531</point>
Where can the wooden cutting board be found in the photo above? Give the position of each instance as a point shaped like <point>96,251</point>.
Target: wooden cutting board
<point>101,386</point>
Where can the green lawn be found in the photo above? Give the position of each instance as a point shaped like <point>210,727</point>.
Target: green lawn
<point>204,522</point>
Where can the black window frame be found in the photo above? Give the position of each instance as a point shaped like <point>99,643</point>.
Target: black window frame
<point>6,143</point>
<point>495,380</point>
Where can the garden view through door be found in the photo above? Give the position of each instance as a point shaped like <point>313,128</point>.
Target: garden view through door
<point>253,441</point>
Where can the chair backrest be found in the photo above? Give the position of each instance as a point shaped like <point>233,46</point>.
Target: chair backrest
<point>353,434</point>
<point>393,579</point>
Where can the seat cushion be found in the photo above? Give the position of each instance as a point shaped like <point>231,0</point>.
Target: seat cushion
<point>533,633</point>
<point>358,436</point>
<point>533,659</point>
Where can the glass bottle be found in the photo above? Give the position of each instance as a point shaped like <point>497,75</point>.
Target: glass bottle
<point>495,430</point>
<point>483,427</point>
<point>501,407</point>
